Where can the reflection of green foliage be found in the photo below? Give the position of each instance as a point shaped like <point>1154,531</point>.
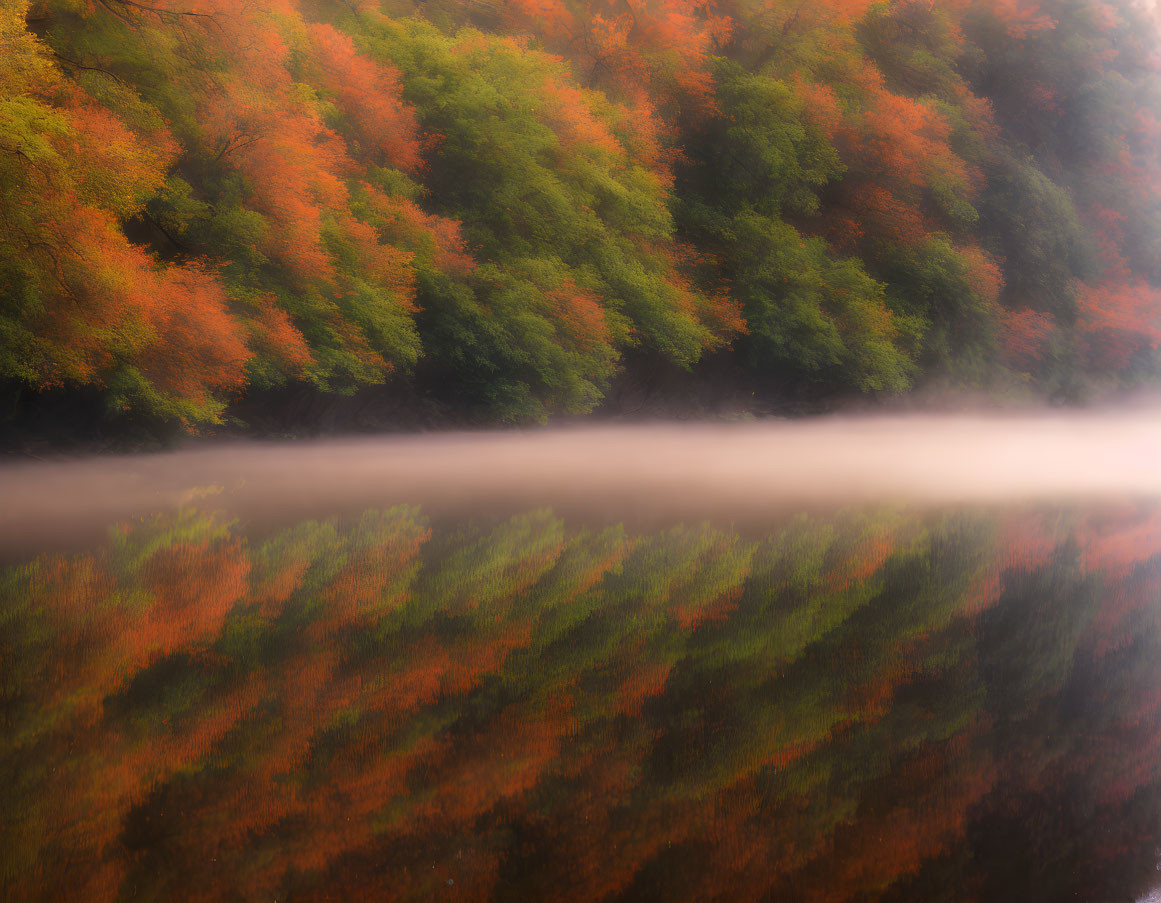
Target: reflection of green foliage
<point>398,693</point>
<point>478,576</point>
<point>1027,653</point>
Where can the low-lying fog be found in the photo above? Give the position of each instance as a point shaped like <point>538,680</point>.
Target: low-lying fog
<point>736,470</point>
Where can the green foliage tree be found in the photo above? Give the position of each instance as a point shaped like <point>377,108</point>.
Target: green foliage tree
<point>1033,223</point>
<point>558,199</point>
<point>810,314</point>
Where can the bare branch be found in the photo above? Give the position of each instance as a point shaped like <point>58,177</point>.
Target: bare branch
<point>68,62</point>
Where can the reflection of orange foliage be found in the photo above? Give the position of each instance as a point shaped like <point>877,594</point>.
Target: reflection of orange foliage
<point>1026,543</point>
<point>503,761</point>
<point>701,611</point>
<point>1116,545</point>
<point>641,683</point>
<point>862,563</point>
<point>193,586</point>
<point>191,589</point>
<point>365,747</point>
<point>373,581</point>
<point>929,811</point>
<point>185,592</point>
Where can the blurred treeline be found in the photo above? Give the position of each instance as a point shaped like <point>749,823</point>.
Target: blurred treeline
<point>868,706</point>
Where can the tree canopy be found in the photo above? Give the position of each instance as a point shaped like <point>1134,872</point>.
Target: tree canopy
<point>203,200</point>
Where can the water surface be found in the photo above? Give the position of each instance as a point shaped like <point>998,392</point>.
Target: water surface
<point>539,681</point>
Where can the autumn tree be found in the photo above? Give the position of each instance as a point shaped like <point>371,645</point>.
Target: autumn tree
<point>82,303</point>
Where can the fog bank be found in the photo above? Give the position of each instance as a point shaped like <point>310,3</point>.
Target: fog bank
<point>737,470</point>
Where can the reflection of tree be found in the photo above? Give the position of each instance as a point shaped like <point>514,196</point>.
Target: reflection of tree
<point>859,707</point>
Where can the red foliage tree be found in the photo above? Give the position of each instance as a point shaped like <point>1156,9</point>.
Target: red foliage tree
<point>369,95</point>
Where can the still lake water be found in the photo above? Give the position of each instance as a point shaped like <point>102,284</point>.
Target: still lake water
<point>736,663</point>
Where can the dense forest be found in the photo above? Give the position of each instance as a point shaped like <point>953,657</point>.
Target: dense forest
<point>504,207</point>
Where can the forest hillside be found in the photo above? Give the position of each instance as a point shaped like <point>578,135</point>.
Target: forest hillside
<point>499,205</point>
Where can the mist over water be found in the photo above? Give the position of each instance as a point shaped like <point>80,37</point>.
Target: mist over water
<point>734,470</point>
